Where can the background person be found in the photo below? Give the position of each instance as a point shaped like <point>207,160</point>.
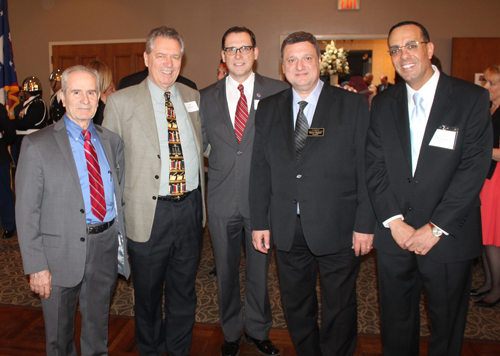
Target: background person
<point>490,203</point>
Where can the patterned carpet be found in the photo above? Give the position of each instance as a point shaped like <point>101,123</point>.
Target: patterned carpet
<point>482,323</point>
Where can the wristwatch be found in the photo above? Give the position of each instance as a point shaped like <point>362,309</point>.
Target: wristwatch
<point>436,231</point>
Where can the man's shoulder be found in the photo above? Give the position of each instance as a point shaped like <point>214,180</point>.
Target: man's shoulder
<point>187,93</point>
<point>461,85</point>
<point>125,94</point>
<point>107,132</point>
<point>270,83</point>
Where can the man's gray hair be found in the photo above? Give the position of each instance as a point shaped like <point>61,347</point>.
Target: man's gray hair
<point>301,36</point>
<point>64,79</point>
<point>166,32</point>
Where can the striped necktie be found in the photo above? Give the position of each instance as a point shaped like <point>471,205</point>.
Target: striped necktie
<point>97,200</point>
<point>241,117</point>
<point>301,126</point>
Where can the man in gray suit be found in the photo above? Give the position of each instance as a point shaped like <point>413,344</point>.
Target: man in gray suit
<point>227,111</point>
<point>160,126</point>
<point>70,219</point>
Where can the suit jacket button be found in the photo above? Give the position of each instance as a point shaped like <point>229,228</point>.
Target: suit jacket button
<point>299,176</point>
<point>82,239</point>
<point>82,211</point>
<point>157,176</point>
<point>294,201</point>
<point>409,180</point>
<point>154,198</point>
<point>409,208</point>
<point>158,156</point>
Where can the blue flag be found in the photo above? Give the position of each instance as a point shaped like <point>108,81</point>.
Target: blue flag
<point>9,88</point>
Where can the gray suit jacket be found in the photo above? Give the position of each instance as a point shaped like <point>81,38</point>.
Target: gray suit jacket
<point>129,113</point>
<point>229,161</point>
<point>50,212</point>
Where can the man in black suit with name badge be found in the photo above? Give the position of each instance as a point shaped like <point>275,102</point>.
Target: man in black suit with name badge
<point>308,172</point>
<point>428,152</point>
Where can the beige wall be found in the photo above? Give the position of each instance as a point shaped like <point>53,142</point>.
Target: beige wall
<point>35,23</point>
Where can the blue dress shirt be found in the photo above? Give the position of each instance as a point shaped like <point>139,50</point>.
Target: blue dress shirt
<point>77,141</point>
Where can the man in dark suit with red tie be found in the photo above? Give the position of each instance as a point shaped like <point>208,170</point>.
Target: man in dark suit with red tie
<point>427,153</point>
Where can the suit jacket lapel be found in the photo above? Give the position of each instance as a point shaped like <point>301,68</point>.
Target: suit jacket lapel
<point>326,110</point>
<point>62,139</point>
<point>440,106</point>
<point>221,101</point>
<point>402,122</point>
<point>106,146</point>
<point>145,114</point>
<point>286,117</point>
<point>192,116</point>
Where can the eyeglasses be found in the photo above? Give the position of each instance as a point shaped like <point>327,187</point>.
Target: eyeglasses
<point>410,47</point>
<point>231,51</point>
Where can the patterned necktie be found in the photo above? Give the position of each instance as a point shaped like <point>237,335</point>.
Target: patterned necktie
<point>97,200</point>
<point>417,129</point>
<point>301,126</point>
<point>241,117</point>
<point>177,181</point>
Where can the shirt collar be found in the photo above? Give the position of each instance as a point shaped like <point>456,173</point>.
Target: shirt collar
<point>427,91</point>
<point>158,94</point>
<point>312,98</point>
<point>75,131</point>
<point>234,84</point>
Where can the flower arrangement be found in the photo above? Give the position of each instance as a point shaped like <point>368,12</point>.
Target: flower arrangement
<point>334,61</point>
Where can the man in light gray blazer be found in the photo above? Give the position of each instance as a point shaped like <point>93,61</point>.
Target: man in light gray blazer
<point>228,181</point>
<point>163,195</point>
<point>70,238</point>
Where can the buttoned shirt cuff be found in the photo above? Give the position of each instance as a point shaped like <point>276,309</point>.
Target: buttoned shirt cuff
<point>399,216</point>
<point>444,232</point>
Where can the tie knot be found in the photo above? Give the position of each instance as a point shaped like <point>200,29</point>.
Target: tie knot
<point>302,105</point>
<point>86,134</point>
<point>240,88</point>
<point>167,96</point>
<point>417,99</point>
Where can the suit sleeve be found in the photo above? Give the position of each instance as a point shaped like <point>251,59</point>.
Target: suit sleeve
<point>382,197</point>
<point>6,127</point>
<point>365,218</point>
<point>260,172</point>
<point>29,192</point>
<point>463,190</point>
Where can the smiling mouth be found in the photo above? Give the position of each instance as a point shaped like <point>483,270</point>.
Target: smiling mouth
<point>408,66</point>
<point>167,72</point>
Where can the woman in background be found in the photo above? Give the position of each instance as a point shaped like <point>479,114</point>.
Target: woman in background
<point>107,87</point>
<point>490,203</point>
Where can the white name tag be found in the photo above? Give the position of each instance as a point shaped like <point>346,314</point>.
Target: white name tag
<point>191,106</point>
<point>445,137</point>
<point>255,104</point>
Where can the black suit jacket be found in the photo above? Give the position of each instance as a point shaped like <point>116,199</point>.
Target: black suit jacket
<point>446,185</point>
<point>328,181</point>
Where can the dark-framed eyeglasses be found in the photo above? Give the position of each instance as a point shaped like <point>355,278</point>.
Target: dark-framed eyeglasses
<point>410,47</point>
<point>231,51</point>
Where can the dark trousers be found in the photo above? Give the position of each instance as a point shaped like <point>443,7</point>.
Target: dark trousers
<point>298,270</point>
<point>6,199</point>
<point>447,287</point>
<point>226,236</point>
<point>94,292</point>
<point>169,257</point>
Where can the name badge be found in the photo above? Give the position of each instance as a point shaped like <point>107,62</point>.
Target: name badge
<point>316,132</point>
<point>445,137</point>
<point>191,106</point>
<point>255,104</point>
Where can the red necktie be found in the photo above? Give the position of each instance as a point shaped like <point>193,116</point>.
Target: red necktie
<point>241,117</point>
<point>97,200</point>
